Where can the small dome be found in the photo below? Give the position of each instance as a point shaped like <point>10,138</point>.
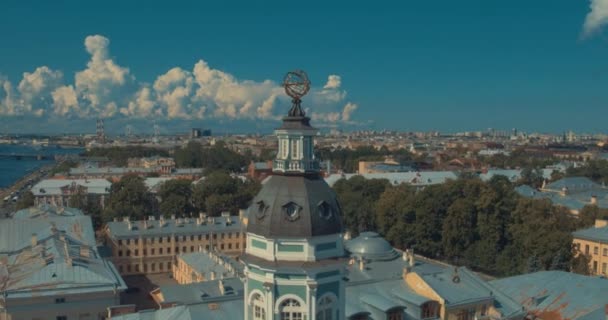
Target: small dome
<point>371,246</point>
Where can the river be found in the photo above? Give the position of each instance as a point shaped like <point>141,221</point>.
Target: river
<point>12,169</point>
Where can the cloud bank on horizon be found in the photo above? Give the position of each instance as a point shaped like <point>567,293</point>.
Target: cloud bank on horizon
<point>596,18</point>
<point>107,90</point>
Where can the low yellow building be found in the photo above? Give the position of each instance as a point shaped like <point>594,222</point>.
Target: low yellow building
<point>204,266</point>
<point>593,242</point>
<point>150,246</point>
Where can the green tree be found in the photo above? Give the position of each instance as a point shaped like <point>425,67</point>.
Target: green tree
<point>119,156</point>
<point>532,177</point>
<point>589,213</point>
<point>175,197</point>
<point>580,264</point>
<point>395,215</point>
<point>26,201</point>
<point>458,231</point>
<point>357,197</point>
<point>88,204</point>
<point>219,191</point>
<point>129,197</point>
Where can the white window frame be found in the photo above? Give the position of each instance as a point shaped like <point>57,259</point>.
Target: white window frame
<point>326,307</point>
<point>258,306</point>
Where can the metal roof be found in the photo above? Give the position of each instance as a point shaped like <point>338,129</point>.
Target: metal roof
<point>593,233</point>
<point>207,291</point>
<point>51,187</point>
<point>294,207</point>
<point>370,245</point>
<point>50,255</point>
<point>46,210</point>
<point>207,262</point>
<point>557,294</point>
<point>185,226</point>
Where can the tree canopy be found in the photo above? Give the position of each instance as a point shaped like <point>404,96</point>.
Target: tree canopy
<point>484,225</point>
<point>129,197</point>
<point>217,157</point>
<point>176,197</point>
<point>221,192</point>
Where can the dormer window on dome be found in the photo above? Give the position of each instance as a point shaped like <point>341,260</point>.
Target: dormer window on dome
<point>292,211</point>
<point>325,210</point>
<point>261,207</point>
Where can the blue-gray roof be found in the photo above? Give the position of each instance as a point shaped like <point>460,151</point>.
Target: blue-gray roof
<point>222,310</point>
<point>370,245</point>
<point>46,255</point>
<point>557,294</point>
<point>580,191</point>
<point>185,226</point>
<point>574,184</point>
<point>593,233</point>
<point>46,210</point>
<point>207,262</point>
<point>207,291</point>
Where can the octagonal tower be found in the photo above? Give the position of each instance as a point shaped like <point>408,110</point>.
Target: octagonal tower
<point>295,256</point>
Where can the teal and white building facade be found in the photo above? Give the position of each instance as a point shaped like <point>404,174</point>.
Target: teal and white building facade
<point>294,259</point>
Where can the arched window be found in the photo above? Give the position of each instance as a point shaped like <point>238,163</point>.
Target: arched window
<point>325,308</point>
<point>291,309</point>
<point>259,310</point>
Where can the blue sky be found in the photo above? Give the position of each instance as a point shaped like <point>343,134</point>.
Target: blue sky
<point>408,65</point>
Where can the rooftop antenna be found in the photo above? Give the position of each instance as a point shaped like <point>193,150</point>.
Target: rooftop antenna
<point>156,133</point>
<point>101,134</point>
<point>128,131</point>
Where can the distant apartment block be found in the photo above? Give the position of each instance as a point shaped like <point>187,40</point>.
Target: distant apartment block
<point>573,193</point>
<point>50,268</point>
<point>151,246</point>
<point>162,165</point>
<point>57,192</point>
<point>419,179</point>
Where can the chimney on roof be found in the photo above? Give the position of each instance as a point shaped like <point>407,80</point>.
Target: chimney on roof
<point>412,259</point>
<point>455,276</point>
<point>600,223</point>
<point>34,240</point>
<point>347,235</point>
<point>594,200</point>
<point>362,264</point>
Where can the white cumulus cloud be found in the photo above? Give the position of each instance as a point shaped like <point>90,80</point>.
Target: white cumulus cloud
<point>106,89</point>
<point>36,88</point>
<point>596,18</point>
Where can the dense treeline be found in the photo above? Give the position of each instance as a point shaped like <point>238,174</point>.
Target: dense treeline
<point>596,170</point>
<point>517,159</point>
<point>485,226</point>
<point>129,197</point>
<point>217,157</point>
<point>119,155</point>
<point>347,160</point>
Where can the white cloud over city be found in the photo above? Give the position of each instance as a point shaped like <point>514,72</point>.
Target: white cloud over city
<point>596,18</point>
<point>108,90</point>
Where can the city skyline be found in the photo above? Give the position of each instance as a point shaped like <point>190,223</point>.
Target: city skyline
<point>466,66</point>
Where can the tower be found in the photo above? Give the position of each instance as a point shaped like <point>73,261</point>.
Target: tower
<point>101,134</point>
<point>295,256</point>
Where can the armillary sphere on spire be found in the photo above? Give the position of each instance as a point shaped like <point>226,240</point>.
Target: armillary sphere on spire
<point>296,85</point>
